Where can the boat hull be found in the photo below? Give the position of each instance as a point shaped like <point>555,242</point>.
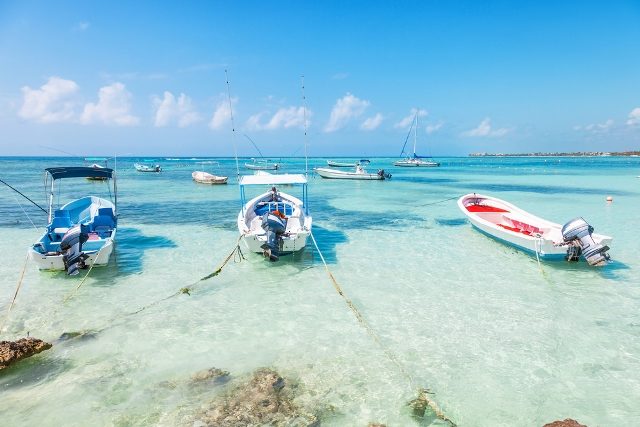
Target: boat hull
<point>515,227</point>
<point>337,174</point>
<point>55,262</point>
<point>207,178</point>
<point>298,227</point>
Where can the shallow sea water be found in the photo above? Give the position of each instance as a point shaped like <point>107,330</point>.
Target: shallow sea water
<point>498,341</point>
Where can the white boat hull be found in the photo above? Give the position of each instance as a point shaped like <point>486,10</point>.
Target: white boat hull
<point>339,174</point>
<point>55,263</point>
<point>207,178</point>
<point>415,164</point>
<point>513,226</point>
<point>298,226</point>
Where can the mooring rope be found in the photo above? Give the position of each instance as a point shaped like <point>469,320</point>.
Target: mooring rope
<point>15,295</point>
<point>68,297</point>
<point>386,350</point>
<point>440,201</point>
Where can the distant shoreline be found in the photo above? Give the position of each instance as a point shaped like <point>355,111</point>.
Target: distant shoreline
<point>574,154</point>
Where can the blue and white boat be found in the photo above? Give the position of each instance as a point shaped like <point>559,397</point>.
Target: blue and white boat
<point>80,233</point>
<point>274,223</point>
<point>547,240</point>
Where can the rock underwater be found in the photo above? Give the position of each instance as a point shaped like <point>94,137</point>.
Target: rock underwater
<point>14,351</point>
<point>266,399</point>
<point>565,423</point>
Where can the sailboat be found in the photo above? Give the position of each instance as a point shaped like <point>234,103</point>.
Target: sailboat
<point>414,160</point>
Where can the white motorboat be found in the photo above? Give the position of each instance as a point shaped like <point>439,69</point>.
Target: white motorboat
<point>206,178</point>
<point>262,164</point>
<point>513,226</point>
<point>82,232</point>
<point>274,223</point>
<point>147,168</point>
<point>358,173</point>
<point>414,160</point>
<point>98,163</point>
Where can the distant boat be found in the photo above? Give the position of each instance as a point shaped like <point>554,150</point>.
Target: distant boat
<point>358,173</point>
<point>147,168</point>
<point>274,223</point>
<point>262,164</point>
<point>335,164</point>
<point>202,177</point>
<point>414,160</point>
<point>82,232</point>
<point>207,178</point>
<point>515,227</point>
<point>98,163</point>
<point>341,164</point>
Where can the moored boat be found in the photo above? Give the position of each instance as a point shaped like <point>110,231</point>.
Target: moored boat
<point>274,223</point>
<point>206,178</point>
<point>147,168</point>
<point>547,240</point>
<point>358,173</point>
<point>81,233</point>
<point>414,160</point>
<point>262,164</point>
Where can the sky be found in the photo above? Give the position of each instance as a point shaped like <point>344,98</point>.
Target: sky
<point>147,78</point>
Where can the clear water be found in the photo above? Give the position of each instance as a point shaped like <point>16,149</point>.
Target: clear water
<point>497,341</point>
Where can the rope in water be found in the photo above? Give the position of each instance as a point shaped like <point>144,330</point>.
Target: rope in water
<point>386,350</point>
<point>440,201</point>
<point>187,289</point>
<point>68,297</point>
<point>15,295</point>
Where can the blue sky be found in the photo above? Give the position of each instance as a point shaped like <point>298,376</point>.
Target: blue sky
<point>147,78</point>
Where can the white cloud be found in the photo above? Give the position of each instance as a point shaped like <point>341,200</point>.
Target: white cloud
<point>406,122</point>
<point>81,26</point>
<point>340,76</point>
<point>113,107</point>
<point>222,114</point>
<point>484,129</point>
<point>52,103</point>
<point>344,110</point>
<point>372,123</point>
<point>168,109</point>
<point>634,117</point>
<point>283,118</point>
<point>431,128</point>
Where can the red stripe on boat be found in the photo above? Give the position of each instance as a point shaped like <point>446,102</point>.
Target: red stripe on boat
<point>484,208</point>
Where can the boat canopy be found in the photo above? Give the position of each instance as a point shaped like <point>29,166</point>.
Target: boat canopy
<point>286,178</point>
<point>79,172</point>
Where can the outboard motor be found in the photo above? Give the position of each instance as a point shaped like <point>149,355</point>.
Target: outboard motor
<point>578,233</point>
<point>274,226</point>
<point>384,175</point>
<point>71,246</point>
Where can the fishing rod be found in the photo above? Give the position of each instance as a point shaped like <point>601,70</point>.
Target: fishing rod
<point>254,144</point>
<point>233,127</point>
<point>40,207</point>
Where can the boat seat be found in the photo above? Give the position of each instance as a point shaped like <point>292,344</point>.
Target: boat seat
<point>484,208</point>
<point>103,224</point>
<point>264,207</point>
<point>61,220</point>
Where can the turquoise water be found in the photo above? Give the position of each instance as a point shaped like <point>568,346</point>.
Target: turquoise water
<point>498,341</point>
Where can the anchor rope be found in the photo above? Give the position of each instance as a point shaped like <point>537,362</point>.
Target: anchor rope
<point>189,288</point>
<point>15,295</point>
<point>385,349</point>
<point>439,201</point>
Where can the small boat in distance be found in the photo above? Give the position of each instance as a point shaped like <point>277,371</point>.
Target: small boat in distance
<point>202,177</point>
<point>147,168</point>
<point>274,223</point>
<point>358,173</point>
<point>335,164</point>
<point>547,240</point>
<point>82,232</point>
<point>414,160</point>
<point>97,163</point>
<point>262,164</point>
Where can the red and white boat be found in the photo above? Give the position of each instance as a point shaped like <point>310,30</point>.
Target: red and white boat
<point>513,226</point>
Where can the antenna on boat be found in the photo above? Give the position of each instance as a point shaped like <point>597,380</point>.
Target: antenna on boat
<point>233,127</point>
<point>304,107</point>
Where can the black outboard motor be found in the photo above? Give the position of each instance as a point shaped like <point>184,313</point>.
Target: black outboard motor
<point>71,246</point>
<point>274,226</point>
<point>384,175</point>
<point>578,233</point>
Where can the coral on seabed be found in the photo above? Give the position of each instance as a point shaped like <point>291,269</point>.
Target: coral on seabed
<point>14,351</point>
<point>565,423</point>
